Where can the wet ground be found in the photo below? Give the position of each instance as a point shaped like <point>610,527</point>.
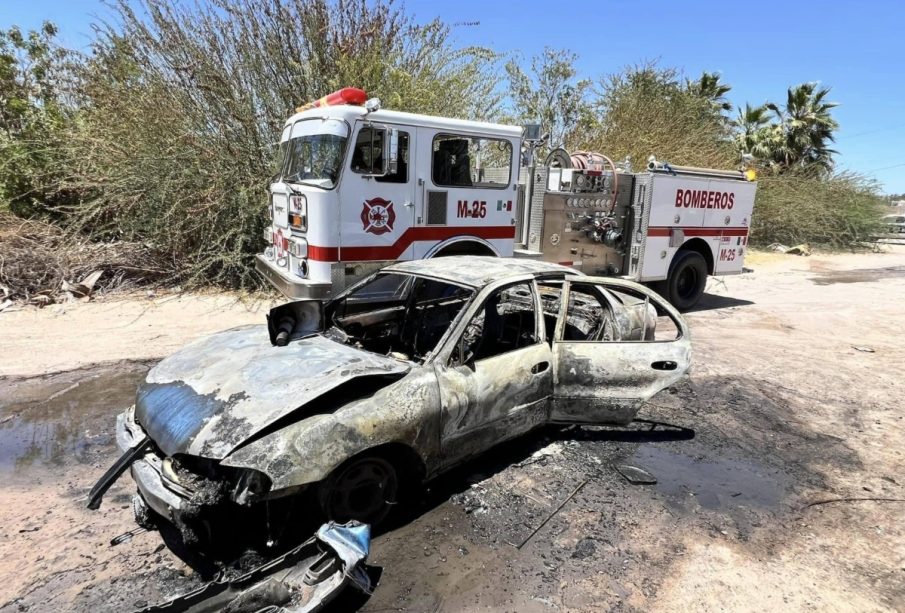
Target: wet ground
<point>463,535</point>
<point>863,275</point>
<point>780,411</point>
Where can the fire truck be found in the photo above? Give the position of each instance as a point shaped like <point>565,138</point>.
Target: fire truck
<point>359,187</point>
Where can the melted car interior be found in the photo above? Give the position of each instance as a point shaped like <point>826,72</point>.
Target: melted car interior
<point>589,314</point>
<point>408,315</point>
<point>505,322</point>
<point>397,313</point>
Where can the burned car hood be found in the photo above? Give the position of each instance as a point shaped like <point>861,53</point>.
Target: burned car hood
<point>212,395</point>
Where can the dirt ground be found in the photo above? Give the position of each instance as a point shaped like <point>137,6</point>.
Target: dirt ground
<point>793,400</point>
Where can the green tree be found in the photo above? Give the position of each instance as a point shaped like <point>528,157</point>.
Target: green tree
<point>755,135</point>
<point>33,115</point>
<point>806,130</point>
<point>549,93</point>
<point>709,87</point>
<point>647,110</point>
<point>183,103</point>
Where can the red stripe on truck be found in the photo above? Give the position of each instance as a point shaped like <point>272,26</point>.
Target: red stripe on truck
<point>392,252</point>
<point>665,230</point>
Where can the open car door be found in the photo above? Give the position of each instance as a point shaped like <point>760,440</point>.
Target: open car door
<point>611,351</point>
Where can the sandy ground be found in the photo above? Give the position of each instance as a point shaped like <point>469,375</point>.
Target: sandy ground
<point>134,327</point>
<point>794,399</point>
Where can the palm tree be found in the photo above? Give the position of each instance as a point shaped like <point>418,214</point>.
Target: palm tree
<point>755,135</point>
<point>710,88</point>
<point>807,129</point>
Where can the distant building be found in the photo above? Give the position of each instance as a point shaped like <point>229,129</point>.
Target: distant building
<point>898,203</point>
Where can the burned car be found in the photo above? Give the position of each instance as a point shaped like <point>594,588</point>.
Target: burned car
<point>412,371</point>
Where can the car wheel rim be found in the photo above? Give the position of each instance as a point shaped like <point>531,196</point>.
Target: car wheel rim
<point>363,491</point>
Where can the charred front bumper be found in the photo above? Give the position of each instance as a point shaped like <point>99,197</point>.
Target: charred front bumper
<point>193,494</point>
<point>169,501</point>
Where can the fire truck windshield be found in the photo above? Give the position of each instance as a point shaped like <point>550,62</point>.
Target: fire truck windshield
<point>314,152</point>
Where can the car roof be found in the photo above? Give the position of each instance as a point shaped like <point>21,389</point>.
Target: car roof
<point>479,270</point>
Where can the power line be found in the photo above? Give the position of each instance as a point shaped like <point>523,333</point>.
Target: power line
<point>886,129</point>
<point>886,167</point>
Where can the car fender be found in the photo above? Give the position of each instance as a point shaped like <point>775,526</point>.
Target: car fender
<point>406,412</point>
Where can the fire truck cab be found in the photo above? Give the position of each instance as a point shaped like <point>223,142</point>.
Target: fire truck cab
<point>359,188</point>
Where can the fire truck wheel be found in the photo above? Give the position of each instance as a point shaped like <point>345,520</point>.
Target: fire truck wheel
<point>686,281</point>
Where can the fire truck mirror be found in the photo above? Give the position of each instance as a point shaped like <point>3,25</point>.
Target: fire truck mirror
<point>391,150</point>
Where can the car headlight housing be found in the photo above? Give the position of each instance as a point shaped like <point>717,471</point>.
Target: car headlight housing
<point>250,486</point>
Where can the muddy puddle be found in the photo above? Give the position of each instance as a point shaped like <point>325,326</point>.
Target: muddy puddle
<point>714,482</point>
<point>862,275</point>
<point>76,414</point>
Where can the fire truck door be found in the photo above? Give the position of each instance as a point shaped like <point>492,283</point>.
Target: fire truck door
<point>608,355</point>
<point>378,209</point>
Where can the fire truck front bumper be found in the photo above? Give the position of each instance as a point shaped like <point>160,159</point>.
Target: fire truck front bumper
<point>290,285</point>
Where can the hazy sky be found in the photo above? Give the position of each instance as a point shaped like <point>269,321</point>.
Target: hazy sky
<point>760,48</point>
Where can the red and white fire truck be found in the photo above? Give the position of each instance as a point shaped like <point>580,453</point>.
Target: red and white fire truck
<point>359,187</point>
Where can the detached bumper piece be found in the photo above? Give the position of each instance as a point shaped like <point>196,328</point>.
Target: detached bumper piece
<point>303,580</point>
<point>113,473</point>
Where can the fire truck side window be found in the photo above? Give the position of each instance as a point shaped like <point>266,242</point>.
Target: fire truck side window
<point>367,155</point>
<point>402,163</point>
<point>463,161</point>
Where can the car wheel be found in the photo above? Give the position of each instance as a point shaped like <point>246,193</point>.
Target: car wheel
<point>364,489</point>
<point>143,514</point>
<point>686,281</point>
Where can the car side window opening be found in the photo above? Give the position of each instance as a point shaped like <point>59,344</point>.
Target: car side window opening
<point>644,321</point>
<point>367,155</point>
<point>464,161</point>
<point>550,300</point>
<point>505,322</point>
<point>395,313</point>
<point>589,316</point>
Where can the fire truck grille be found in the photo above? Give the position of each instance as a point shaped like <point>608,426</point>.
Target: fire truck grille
<point>436,208</point>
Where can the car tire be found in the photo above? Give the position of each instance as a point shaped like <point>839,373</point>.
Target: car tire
<point>687,278</point>
<point>143,514</point>
<point>364,488</point>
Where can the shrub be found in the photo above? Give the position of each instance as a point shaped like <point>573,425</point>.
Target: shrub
<point>181,106</point>
<point>837,212</point>
<point>646,110</point>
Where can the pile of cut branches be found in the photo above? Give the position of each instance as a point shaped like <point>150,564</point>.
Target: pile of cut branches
<point>40,264</point>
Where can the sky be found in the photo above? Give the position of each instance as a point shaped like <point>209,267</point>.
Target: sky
<point>760,48</point>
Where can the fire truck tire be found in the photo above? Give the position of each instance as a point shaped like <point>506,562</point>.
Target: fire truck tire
<point>687,278</point>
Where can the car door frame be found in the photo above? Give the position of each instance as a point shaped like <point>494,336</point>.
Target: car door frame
<point>605,382</point>
<point>462,438</point>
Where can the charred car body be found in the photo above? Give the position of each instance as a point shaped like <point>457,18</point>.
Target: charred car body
<point>406,374</point>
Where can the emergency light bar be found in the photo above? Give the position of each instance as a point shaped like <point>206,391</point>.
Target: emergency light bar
<point>346,95</point>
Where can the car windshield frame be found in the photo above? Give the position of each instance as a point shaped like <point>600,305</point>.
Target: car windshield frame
<point>336,136</point>
<point>404,293</point>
